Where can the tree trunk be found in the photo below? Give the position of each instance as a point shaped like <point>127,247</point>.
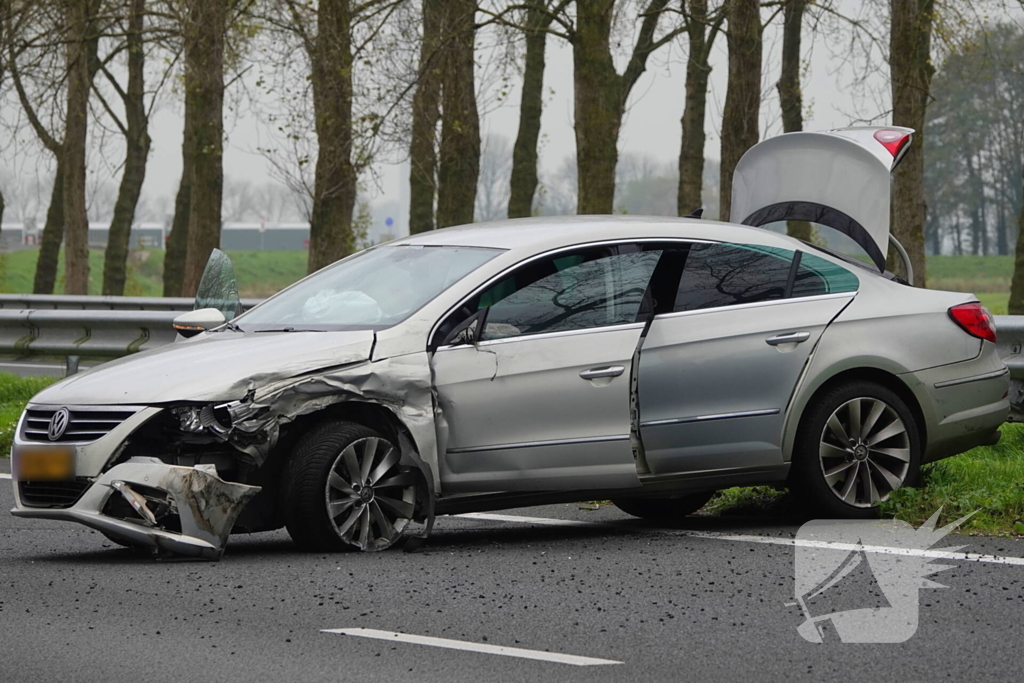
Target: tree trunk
<point>691,152</point>
<point>1017,284</point>
<point>137,142</point>
<point>911,75</point>
<point>598,107</point>
<point>204,94</point>
<point>425,114</point>
<point>524,154</point>
<point>459,166</point>
<point>53,235</point>
<point>76,220</point>
<point>743,95</point>
<point>177,241</point>
<point>334,194</point>
<point>790,96</point>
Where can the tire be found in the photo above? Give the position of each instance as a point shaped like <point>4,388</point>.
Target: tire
<point>664,509</point>
<point>857,444</point>
<point>344,488</point>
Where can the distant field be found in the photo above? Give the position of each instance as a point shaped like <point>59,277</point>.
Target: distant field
<point>261,273</point>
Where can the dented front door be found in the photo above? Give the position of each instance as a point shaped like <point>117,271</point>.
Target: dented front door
<point>542,401</point>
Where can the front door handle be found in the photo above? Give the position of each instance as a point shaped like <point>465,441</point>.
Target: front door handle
<point>607,371</point>
<point>790,338</point>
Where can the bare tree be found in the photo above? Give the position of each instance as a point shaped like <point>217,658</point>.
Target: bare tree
<point>459,154</point>
<point>4,19</point>
<point>702,28</point>
<point>790,96</point>
<point>601,92</point>
<point>539,15</point>
<point>911,74</point>
<point>426,112</point>
<point>743,96</point>
<point>45,86</point>
<point>135,129</point>
<point>206,24</point>
<point>80,18</point>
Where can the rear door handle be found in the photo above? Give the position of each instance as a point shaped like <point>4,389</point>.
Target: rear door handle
<point>607,371</point>
<point>790,338</point>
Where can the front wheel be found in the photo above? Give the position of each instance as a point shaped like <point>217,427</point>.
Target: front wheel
<point>345,488</point>
<point>857,445</point>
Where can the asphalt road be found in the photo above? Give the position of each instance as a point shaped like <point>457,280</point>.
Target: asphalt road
<point>682,603</point>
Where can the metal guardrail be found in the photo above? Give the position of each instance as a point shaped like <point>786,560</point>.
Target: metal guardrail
<point>1010,342</point>
<point>36,325</point>
<point>69,302</point>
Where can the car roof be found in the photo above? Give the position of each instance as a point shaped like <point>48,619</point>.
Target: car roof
<point>551,232</point>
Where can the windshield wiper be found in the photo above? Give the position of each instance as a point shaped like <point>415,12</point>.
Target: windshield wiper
<point>286,329</point>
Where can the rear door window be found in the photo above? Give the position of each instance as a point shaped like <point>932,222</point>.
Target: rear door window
<point>716,275</point>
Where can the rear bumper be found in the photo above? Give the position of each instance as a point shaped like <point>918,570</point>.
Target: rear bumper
<point>206,506</point>
<point>964,404</point>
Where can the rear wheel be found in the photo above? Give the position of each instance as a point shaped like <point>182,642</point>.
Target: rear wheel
<point>344,488</point>
<point>665,509</point>
<point>857,445</point>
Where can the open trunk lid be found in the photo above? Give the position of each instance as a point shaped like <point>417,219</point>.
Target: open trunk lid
<point>839,179</point>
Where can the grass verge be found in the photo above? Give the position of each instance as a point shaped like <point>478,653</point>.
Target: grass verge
<point>988,481</point>
<point>14,394</point>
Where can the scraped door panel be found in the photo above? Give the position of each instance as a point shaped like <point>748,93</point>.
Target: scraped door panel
<point>521,418</point>
<point>714,384</point>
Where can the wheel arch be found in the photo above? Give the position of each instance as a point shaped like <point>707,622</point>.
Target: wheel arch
<point>884,377</point>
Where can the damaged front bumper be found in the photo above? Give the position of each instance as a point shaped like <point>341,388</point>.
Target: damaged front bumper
<point>195,500</point>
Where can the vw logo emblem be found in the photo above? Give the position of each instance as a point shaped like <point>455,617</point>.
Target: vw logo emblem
<point>58,424</point>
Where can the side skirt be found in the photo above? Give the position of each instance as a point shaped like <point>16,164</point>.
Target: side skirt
<point>651,486</point>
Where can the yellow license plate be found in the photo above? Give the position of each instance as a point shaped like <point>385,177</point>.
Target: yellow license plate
<point>45,464</point>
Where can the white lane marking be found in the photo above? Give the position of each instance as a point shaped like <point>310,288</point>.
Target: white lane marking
<point>4,476</point>
<point>878,549</point>
<point>393,636</point>
<point>768,540</point>
<point>543,521</point>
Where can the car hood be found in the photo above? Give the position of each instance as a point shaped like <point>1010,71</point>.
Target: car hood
<point>217,366</point>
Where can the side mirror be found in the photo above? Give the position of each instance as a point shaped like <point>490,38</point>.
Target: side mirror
<point>192,323</point>
<point>469,331</point>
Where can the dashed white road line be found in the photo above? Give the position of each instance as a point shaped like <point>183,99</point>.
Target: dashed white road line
<point>3,475</point>
<point>522,653</point>
<point>767,540</point>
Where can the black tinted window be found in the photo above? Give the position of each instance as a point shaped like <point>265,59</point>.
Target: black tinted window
<point>817,276</point>
<point>591,288</point>
<point>727,275</point>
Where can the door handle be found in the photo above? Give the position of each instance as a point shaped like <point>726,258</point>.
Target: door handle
<point>607,371</point>
<point>790,338</point>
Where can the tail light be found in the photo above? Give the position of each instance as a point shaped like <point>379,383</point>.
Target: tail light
<point>975,320</point>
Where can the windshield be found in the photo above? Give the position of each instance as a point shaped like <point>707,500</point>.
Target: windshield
<point>374,289</point>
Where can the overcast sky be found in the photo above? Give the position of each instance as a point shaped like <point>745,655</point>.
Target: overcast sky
<point>652,125</point>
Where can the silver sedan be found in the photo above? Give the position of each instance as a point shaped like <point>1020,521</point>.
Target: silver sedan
<point>652,361</point>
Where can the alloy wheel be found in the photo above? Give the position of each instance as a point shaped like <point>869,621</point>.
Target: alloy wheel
<point>370,497</point>
<point>864,452</point>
